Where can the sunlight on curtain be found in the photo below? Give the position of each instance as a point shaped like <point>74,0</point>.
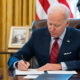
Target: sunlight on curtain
<point>13,13</point>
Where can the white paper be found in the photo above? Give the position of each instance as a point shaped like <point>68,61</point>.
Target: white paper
<point>62,72</point>
<point>31,76</point>
<point>30,71</point>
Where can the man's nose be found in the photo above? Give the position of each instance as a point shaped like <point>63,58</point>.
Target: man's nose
<point>52,28</point>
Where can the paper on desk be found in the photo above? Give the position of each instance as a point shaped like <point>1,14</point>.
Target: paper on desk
<point>31,76</point>
<point>30,71</point>
<point>62,72</point>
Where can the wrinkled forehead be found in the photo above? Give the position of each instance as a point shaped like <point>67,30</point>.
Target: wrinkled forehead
<point>57,19</point>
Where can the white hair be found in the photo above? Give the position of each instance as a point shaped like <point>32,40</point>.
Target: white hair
<point>59,8</point>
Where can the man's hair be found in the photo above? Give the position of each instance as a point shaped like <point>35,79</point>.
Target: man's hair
<point>59,8</point>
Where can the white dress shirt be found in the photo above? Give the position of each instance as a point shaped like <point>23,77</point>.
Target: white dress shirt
<point>64,67</point>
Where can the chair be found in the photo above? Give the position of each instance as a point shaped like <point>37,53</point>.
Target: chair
<point>43,23</point>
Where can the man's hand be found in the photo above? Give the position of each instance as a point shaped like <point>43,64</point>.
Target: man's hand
<point>50,67</point>
<point>23,65</point>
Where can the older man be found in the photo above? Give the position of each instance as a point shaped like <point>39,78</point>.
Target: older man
<point>56,47</point>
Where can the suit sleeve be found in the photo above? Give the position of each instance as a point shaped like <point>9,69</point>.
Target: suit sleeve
<point>26,51</point>
<point>73,65</point>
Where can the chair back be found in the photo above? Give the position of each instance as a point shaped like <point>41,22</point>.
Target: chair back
<point>43,23</point>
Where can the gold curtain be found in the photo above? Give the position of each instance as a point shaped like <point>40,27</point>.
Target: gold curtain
<point>13,13</point>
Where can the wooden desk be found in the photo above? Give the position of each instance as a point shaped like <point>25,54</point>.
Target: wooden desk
<point>9,75</point>
<point>7,52</point>
<point>10,51</point>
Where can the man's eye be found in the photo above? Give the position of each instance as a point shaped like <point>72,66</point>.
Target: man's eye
<point>50,23</point>
<point>57,25</point>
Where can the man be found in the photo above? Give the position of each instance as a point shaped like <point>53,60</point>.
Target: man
<point>56,47</point>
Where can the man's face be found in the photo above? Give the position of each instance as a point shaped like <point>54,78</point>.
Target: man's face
<point>56,24</point>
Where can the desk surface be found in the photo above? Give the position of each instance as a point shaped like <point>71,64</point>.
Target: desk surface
<point>9,75</point>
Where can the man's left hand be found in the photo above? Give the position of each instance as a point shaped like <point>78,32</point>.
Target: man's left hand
<point>50,67</point>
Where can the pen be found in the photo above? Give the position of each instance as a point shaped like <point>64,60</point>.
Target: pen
<point>23,59</point>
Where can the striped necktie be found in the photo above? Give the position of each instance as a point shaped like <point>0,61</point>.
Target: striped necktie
<point>54,52</point>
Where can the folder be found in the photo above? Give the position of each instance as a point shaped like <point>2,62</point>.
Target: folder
<point>54,77</point>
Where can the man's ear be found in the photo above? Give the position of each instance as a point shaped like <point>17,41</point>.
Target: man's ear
<point>47,22</point>
<point>68,22</point>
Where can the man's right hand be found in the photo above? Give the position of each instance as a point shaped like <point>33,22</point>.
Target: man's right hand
<point>23,66</point>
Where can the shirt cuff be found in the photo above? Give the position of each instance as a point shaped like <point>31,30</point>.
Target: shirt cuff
<point>14,65</point>
<point>64,67</point>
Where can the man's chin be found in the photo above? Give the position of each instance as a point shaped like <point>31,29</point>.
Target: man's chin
<point>54,36</point>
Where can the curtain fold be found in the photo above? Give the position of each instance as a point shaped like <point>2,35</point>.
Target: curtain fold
<point>13,13</point>
<point>25,12</point>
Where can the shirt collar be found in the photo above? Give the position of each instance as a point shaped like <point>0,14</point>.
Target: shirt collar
<point>61,36</point>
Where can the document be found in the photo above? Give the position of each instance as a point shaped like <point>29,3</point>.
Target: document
<point>30,71</point>
<point>62,72</point>
<point>31,76</point>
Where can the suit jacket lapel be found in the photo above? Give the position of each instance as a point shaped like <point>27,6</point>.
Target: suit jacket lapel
<point>65,44</point>
<point>46,45</point>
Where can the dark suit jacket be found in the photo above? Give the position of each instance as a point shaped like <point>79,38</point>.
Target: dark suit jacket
<point>38,45</point>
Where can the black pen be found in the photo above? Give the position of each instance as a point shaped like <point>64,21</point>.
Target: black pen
<point>23,59</point>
